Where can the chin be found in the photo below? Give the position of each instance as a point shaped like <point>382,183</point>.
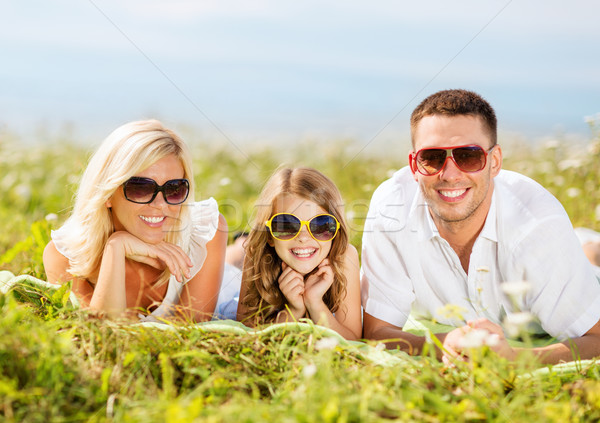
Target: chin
<point>302,269</point>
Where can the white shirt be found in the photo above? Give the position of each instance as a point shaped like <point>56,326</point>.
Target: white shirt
<point>408,267</point>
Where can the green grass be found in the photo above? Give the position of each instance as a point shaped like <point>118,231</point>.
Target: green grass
<point>59,364</point>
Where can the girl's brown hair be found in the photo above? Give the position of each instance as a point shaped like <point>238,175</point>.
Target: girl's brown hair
<point>262,265</point>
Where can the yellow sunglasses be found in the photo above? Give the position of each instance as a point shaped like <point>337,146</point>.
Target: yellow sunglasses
<point>286,226</point>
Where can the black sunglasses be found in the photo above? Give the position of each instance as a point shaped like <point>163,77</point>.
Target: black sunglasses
<point>431,161</point>
<point>144,190</point>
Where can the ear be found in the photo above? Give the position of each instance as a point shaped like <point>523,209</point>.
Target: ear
<point>108,203</point>
<point>413,164</point>
<point>411,158</point>
<point>495,160</point>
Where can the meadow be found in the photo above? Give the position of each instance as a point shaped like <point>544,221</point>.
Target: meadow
<point>58,363</point>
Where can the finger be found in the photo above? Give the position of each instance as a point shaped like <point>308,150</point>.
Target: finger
<point>486,325</point>
<point>150,261</point>
<point>290,279</point>
<point>174,259</point>
<point>178,253</point>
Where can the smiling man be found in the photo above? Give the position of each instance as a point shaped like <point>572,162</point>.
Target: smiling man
<point>447,231</point>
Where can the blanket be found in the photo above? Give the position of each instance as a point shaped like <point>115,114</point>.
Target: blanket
<point>376,354</point>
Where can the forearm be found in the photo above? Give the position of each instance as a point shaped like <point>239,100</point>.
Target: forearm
<point>585,347</point>
<point>109,293</point>
<point>396,338</point>
<point>321,315</point>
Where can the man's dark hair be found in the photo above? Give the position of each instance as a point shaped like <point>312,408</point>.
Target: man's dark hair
<point>456,103</point>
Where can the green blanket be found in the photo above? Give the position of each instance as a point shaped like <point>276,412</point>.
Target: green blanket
<point>25,284</point>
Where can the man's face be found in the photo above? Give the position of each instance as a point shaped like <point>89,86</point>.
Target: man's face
<point>455,197</point>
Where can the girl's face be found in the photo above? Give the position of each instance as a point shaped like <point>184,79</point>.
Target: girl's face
<point>149,222</point>
<point>303,253</point>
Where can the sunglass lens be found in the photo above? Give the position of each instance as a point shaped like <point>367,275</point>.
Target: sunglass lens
<point>140,190</point>
<point>285,226</point>
<point>176,191</point>
<point>431,161</point>
<point>323,227</point>
<point>469,159</point>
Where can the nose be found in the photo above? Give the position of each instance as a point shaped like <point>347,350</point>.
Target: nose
<point>450,171</point>
<point>304,235</point>
<point>159,201</point>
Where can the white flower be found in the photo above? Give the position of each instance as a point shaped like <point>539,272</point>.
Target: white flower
<point>51,217</point>
<point>224,181</point>
<point>515,323</point>
<point>569,164</point>
<point>573,192</point>
<point>483,269</point>
<point>597,212</point>
<point>23,191</point>
<point>380,346</point>
<point>473,339</point>
<point>516,289</point>
<point>309,370</point>
<point>326,344</point>
<point>477,338</point>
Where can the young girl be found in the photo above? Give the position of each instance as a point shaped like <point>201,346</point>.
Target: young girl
<point>298,260</point>
<point>136,240</point>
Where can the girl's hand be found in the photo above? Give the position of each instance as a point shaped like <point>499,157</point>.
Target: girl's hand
<point>159,256</point>
<point>291,284</point>
<point>317,284</point>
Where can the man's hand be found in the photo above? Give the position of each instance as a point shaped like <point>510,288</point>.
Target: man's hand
<point>477,333</point>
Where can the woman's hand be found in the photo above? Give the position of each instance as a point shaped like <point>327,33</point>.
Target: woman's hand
<point>317,284</point>
<point>291,284</point>
<point>159,256</point>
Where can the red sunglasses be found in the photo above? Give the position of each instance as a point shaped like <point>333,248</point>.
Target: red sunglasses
<point>431,161</point>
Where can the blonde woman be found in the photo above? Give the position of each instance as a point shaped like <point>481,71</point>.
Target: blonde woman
<point>299,263</point>
<point>136,242</point>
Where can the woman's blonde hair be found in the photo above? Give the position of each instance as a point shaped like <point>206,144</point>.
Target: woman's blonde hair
<point>128,150</point>
<point>262,265</point>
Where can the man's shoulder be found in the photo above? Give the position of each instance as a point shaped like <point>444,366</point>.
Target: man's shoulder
<point>400,187</point>
<point>391,202</point>
<point>525,208</point>
<point>521,195</point>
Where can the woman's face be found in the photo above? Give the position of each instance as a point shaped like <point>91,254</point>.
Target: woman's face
<point>149,222</point>
<point>303,253</point>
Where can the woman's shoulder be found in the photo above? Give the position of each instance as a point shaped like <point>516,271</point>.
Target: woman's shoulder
<point>55,263</point>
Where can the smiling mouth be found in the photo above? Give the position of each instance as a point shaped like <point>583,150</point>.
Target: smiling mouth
<point>303,252</point>
<point>454,193</point>
<point>153,219</point>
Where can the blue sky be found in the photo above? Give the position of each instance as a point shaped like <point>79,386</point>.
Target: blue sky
<point>269,70</point>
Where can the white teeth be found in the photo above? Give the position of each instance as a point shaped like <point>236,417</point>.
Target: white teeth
<point>303,252</point>
<point>155,219</point>
<point>453,193</point>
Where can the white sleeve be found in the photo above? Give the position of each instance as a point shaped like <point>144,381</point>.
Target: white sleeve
<point>565,293</point>
<point>386,289</point>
